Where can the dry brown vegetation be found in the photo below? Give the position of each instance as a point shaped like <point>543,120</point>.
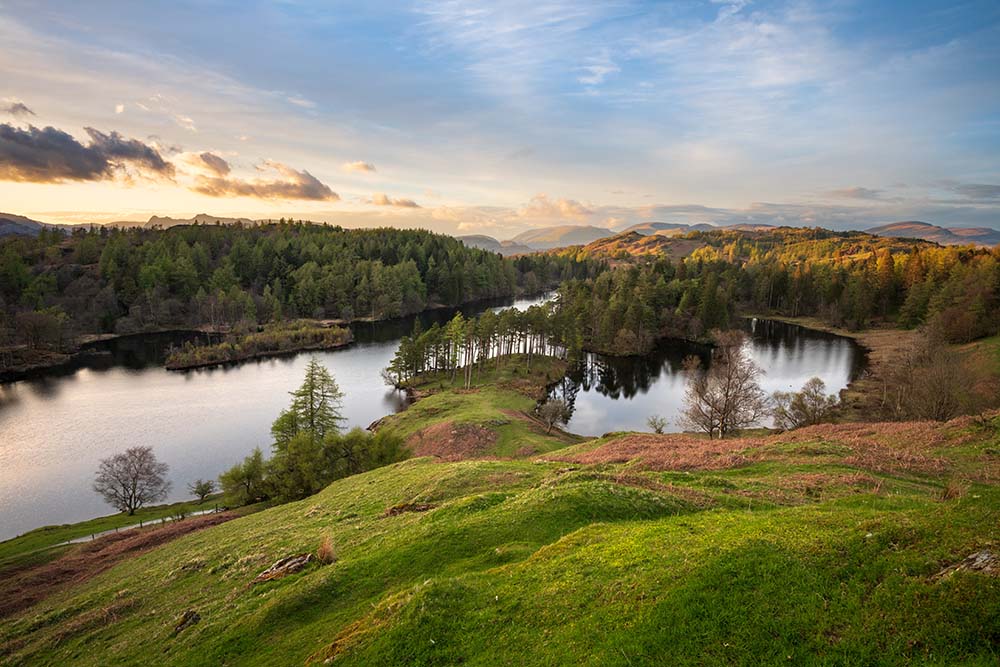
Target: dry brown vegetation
<point>23,588</point>
<point>890,447</point>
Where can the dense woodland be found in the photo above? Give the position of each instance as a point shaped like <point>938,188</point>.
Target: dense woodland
<point>108,280</point>
<point>847,279</point>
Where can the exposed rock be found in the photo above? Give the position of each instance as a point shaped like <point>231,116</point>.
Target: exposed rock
<point>187,619</point>
<point>283,567</point>
<point>985,561</point>
<point>408,507</point>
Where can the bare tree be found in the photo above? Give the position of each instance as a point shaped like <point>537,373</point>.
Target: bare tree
<point>811,405</point>
<point>132,479</point>
<point>202,488</point>
<point>552,412</point>
<point>727,396</point>
<point>930,380</point>
<point>656,423</point>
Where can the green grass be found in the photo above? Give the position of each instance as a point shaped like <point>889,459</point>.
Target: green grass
<point>500,400</point>
<point>534,563</point>
<point>796,558</point>
<point>37,545</point>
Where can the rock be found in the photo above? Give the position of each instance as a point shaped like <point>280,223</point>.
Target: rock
<point>408,507</point>
<point>985,561</point>
<point>283,567</point>
<point>187,619</point>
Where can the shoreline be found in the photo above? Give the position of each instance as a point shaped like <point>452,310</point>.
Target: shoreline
<point>82,345</point>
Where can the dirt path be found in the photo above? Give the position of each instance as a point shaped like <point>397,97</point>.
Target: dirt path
<point>21,589</point>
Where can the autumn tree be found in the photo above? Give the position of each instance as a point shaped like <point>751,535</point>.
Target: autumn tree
<point>725,397</point>
<point>131,479</point>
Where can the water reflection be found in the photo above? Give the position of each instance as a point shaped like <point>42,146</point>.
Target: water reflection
<point>617,394</point>
<point>56,426</point>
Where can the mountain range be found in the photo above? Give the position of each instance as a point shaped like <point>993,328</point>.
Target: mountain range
<point>548,238</point>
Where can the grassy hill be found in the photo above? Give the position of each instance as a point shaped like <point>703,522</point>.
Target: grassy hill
<point>841,544</point>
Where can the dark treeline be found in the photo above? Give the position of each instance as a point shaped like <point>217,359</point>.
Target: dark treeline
<point>470,344</point>
<point>109,280</point>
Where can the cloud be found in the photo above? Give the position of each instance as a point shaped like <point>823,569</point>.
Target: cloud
<point>857,193</point>
<point>380,199</point>
<point>17,109</point>
<point>294,185</point>
<point>186,122</point>
<point>49,155</point>
<point>977,190</point>
<point>359,165</point>
<point>214,163</point>
<point>300,101</point>
<point>119,108</point>
<point>541,206</point>
<point>597,69</point>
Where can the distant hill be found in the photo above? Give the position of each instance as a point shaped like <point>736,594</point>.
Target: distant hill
<point>484,242</point>
<point>18,225</point>
<point>546,238</point>
<point>914,229</point>
<point>165,222</point>
<point>635,244</point>
<point>649,228</point>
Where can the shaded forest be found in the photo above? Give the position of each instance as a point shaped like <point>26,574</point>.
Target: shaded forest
<point>54,287</point>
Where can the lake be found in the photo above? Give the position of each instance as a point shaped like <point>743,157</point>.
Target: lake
<point>55,428</point>
<point>619,393</point>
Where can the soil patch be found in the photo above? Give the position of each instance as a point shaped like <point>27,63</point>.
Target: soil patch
<point>451,441</point>
<point>24,588</point>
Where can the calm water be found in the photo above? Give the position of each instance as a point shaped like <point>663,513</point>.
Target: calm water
<point>55,429</point>
<point>619,394</point>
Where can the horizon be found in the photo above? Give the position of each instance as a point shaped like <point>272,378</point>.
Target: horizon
<point>471,118</point>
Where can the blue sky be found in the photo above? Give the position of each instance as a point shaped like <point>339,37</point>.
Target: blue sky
<point>491,117</point>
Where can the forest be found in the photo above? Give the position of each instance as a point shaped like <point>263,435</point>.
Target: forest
<point>216,277</point>
<point>847,279</point>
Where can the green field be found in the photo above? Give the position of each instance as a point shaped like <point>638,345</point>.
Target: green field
<point>825,546</point>
<point>42,543</point>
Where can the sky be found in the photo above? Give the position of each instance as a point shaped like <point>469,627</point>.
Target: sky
<point>479,117</point>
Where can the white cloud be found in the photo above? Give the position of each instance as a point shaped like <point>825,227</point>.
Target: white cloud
<point>358,166</point>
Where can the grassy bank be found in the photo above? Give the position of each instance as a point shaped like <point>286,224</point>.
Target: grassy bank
<point>275,338</point>
<point>493,418</point>
<point>38,545</point>
<point>836,545</point>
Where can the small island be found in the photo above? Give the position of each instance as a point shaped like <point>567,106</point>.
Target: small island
<point>270,339</point>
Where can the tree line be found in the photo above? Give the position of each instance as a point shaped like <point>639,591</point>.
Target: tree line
<point>226,276</point>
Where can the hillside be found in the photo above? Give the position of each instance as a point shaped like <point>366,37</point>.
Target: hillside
<point>484,242</point>
<point>631,245</point>
<point>858,544</point>
<point>982,236</point>
<point>546,238</point>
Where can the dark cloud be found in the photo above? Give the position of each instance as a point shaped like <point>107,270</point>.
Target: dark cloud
<point>296,185</point>
<point>49,155</point>
<point>380,199</point>
<point>18,109</point>
<point>215,163</point>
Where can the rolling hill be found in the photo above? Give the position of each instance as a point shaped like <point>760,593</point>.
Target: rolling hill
<point>546,238</point>
<point>982,236</point>
<point>489,243</point>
